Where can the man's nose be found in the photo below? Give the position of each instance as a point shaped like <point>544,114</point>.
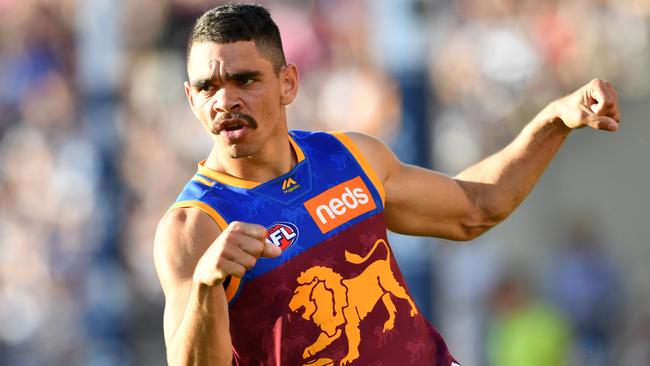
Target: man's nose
<point>226,100</point>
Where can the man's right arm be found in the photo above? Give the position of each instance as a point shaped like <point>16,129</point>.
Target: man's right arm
<point>193,258</point>
<point>196,316</point>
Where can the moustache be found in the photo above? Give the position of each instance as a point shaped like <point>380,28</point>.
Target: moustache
<point>229,119</point>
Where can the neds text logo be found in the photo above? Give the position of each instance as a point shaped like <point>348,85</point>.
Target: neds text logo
<point>340,204</point>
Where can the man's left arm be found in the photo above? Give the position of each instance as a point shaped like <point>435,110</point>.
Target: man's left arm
<point>423,202</point>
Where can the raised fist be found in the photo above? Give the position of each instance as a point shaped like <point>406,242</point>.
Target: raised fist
<point>235,251</point>
<point>594,105</point>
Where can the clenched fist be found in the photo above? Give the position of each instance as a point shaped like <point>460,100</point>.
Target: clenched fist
<point>594,105</point>
<point>235,251</point>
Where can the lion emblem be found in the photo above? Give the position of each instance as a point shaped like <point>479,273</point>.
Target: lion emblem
<point>338,305</point>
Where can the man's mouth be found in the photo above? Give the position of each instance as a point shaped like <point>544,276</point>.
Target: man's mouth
<point>233,129</point>
<point>232,125</point>
<point>233,122</point>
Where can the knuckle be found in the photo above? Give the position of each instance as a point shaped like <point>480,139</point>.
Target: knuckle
<point>239,271</point>
<point>235,225</point>
<point>256,248</point>
<point>219,264</point>
<point>259,249</point>
<point>261,230</point>
<point>256,230</point>
<point>227,236</point>
<point>250,263</point>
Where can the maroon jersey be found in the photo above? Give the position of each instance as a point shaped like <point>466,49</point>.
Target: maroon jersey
<point>335,295</point>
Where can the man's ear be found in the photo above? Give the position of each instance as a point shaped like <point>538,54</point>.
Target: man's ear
<point>190,97</point>
<point>288,84</point>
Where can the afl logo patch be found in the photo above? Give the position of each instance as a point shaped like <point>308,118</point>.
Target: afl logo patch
<point>282,234</point>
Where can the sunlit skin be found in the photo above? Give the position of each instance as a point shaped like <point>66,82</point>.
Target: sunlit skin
<point>240,100</point>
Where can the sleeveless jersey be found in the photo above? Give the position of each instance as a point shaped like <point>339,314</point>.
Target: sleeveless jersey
<point>335,295</point>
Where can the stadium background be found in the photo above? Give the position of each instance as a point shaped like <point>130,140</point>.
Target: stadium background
<point>96,140</point>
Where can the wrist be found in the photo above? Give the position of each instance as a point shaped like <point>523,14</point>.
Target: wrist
<point>212,279</point>
<point>206,273</point>
<point>207,283</point>
<point>552,117</point>
<point>206,291</point>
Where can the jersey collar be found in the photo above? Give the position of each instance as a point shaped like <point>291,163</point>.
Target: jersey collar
<point>239,182</point>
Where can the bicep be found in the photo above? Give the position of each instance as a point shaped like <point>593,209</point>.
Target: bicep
<point>182,237</point>
<point>423,202</point>
<point>420,201</point>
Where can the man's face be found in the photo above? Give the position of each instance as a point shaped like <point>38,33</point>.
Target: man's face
<point>235,93</point>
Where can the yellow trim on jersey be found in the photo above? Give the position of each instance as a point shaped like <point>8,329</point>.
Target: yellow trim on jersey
<point>233,287</point>
<point>365,165</point>
<point>225,178</point>
<point>235,282</point>
<point>205,208</point>
<point>299,154</point>
<point>238,182</point>
<point>202,180</point>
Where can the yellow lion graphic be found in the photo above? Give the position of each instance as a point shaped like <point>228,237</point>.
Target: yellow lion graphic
<point>337,305</point>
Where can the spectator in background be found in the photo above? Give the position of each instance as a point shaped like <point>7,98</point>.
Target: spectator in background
<point>48,184</point>
<point>524,331</point>
<point>584,283</point>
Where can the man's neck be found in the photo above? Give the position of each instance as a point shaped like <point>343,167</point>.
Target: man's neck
<point>261,167</point>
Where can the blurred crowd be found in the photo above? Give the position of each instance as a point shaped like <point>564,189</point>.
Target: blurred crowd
<point>96,141</point>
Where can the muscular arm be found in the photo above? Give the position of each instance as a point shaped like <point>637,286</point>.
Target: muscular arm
<point>195,322</point>
<point>423,202</point>
<point>193,258</point>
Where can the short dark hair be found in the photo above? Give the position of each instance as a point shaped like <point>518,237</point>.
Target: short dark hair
<point>241,22</point>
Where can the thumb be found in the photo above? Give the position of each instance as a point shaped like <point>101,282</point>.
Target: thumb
<point>602,123</point>
<point>270,250</point>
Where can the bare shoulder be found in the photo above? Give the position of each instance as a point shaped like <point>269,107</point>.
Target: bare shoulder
<point>182,236</point>
<point>378,154</point>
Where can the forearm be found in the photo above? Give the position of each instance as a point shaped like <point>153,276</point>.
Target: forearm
<point>499,183</point>
<point>423,202</point>
<point>203,336</point>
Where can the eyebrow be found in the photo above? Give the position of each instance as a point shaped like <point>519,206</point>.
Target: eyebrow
<point>243,75</point>
<point>200,83</point>
<point>240,75</point>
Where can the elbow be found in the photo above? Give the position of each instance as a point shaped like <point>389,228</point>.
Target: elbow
<point>471,232</point>
<point>476,224</point>
<point>464,233</point>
